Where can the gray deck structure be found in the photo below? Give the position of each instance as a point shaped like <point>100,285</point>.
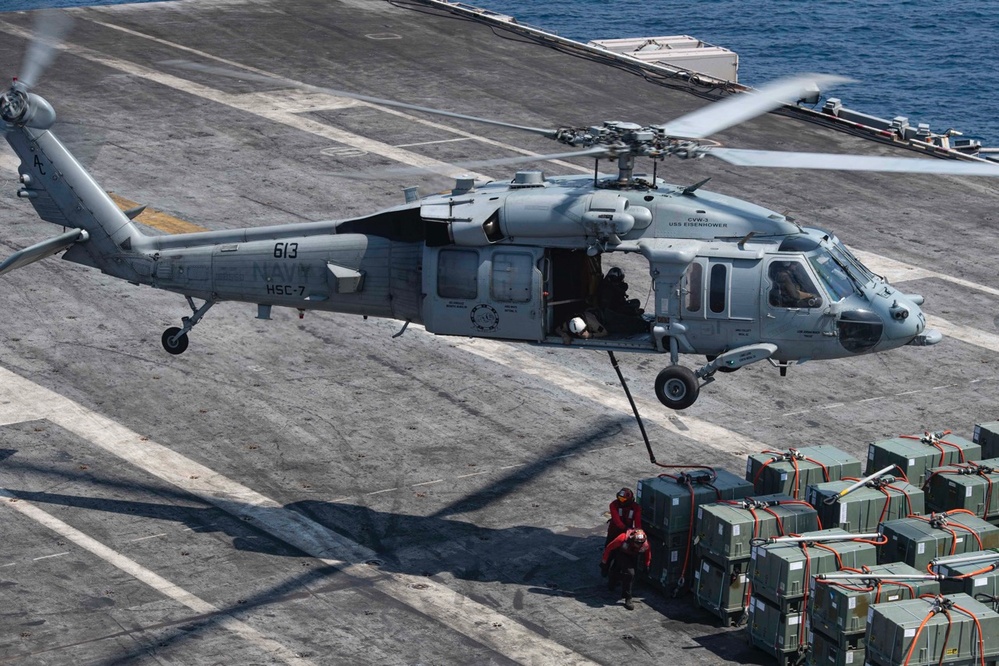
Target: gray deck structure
<point>314,491</point>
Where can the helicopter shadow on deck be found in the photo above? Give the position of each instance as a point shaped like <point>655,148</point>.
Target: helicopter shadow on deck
<point>529,559</point>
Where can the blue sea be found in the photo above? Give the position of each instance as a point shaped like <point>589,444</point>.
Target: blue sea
<point>933,61</point>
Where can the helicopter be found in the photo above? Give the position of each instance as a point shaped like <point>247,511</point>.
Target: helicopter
<point>520,260</point>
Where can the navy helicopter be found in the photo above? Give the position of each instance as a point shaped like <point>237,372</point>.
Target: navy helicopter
<point>521,259</point>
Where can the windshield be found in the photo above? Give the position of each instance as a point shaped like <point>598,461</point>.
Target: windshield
<point>862,274</point>
<point>836,280</point>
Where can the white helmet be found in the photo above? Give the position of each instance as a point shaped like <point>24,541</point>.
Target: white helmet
<point>577,325</point>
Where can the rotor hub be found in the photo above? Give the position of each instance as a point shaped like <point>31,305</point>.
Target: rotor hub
<point>14,105</point>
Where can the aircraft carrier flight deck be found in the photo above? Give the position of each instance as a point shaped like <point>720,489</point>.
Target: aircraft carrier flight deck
<point>316,491</point>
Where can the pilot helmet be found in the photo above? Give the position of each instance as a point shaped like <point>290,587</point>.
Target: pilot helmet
<point>625,495</point>
<point>615,275</point>
<point>577,325</point>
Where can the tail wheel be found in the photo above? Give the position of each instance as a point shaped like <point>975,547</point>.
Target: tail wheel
<point>172,342</point>
<point>677,387</point>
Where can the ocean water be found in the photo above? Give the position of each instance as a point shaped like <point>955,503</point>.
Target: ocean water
<point>933,61</point>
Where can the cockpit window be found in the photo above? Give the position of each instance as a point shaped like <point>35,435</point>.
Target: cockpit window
<point>832,275</point>
<point>857,270</point>
<point>791,286</point>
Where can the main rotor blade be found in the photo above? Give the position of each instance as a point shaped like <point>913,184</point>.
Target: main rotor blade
<point>50,28</point>
<point>223,71</point>
<point>792,160</point>
<point>598,151</point>
<point>742,107</point>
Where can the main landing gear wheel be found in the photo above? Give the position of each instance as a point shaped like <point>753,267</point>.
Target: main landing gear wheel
<point>677,387</point>
<point>173,343</point>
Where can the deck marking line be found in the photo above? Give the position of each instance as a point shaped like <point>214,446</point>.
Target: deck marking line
<point>705,433</point>
<point>153,580</point>
<point>568,556</point>
<point>151,536</point>
<point>437,602</point>
<point>45,557</point>
<point>465,476</point>
<point>899,271</point>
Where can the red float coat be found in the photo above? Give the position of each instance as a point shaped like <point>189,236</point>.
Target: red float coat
<point>627,548</point>
<point>624,517</point>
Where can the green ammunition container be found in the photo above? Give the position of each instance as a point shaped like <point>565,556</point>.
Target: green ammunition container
<point>863,509</point>
<point>780,572</point>
<point>916,541</point>
<point>824,651</point>
<point>985,583</point>
<point>721,591</point>
<point>666,569</point>
<point>918,454</point>
<point>724,530</point>
<point>947,638</point>
<point>987,436</point>
<point>791,472</point>
<point>971,486</point>
<point>838,609</point>
<point>667,503</point>
<point>775,632</point>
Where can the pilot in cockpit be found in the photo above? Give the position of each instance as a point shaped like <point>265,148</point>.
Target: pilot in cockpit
<point>793,288</point>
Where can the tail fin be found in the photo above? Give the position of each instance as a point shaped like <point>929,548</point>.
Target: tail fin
<point>62,192</point>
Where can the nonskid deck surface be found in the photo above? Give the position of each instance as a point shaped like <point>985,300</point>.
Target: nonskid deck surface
<point>315,491</point>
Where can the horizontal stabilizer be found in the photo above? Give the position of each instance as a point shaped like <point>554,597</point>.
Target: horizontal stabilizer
<point>46,248</point>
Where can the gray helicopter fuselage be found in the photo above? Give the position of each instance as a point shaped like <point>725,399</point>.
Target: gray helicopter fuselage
<point>507,260</point>
<point>483,261</point>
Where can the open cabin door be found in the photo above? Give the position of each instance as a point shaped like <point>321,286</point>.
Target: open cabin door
<point>492,292</point>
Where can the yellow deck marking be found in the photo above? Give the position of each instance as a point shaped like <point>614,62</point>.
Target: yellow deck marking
<point>156,219</point>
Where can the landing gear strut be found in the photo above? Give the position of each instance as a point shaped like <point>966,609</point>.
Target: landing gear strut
<point>175,339</point>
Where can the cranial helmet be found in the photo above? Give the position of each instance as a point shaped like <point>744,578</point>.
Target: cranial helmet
<point>637,537</point>
<point>615,275</point>
<point>577,325</point>
<point>625,495</point>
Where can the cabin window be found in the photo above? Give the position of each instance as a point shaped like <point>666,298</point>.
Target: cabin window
<point>513,274</point>
<point>695,287</point>
<point>458,274</point>
<point>791,286</point>
<point>718,288</point>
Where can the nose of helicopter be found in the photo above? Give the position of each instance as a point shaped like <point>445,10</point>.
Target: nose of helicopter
<point>905,323</point>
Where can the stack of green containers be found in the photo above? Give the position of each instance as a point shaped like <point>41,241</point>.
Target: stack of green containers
<point>954,637</point>
<point>976,575</point>
<point>785,632</point>
<point>973,486</point>
<point>780,574</point>
<point>917,541</point>
<point>915,454</point>
<point>669,504</point>
<point>987,436</point>
<point>838,609</point>
<point>723,535</point>
<point>791,472</point>
<point>862,510</point>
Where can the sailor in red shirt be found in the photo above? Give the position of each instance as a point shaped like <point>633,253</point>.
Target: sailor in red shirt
<point>621,559</point>
<point>625,514</point>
